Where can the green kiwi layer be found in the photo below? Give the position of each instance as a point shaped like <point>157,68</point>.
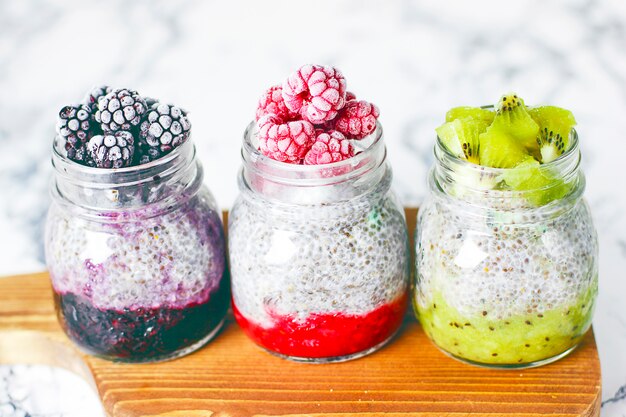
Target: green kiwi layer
<point>517,340</point>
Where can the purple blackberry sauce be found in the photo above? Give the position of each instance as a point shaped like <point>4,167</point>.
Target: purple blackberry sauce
<point>140,334</point>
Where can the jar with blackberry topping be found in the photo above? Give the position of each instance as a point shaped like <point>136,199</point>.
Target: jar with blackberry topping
<point>506,251</point>
<point>136,256</point>
<point>318,253</point>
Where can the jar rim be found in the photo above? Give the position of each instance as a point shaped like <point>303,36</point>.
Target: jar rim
<point>175,160</point>
<point>251,130</point>
<point>372,154</point>
<point>557,163</point>
<point>474,182</point>
<point>478,187</point>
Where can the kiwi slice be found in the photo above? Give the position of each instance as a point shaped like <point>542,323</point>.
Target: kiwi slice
<point>475,113</point>
<point>460,136</point>
<point>499,150</point>
<point>555,126</point>
<point>542,187</point>
<point>512,119</point>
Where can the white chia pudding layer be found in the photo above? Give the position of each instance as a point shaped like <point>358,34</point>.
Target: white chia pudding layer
<point>172,259</point>
<point>348,256</point>
<point>525,266</point>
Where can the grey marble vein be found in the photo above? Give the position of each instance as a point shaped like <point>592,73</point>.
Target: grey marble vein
<point>620,395</point>
<point>38,391</point>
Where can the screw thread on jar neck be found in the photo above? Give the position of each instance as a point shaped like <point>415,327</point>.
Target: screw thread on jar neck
<point>159,182</point>
<point>486,187</point>
<point>311,184</point>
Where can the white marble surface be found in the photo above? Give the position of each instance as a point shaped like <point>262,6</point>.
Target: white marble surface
<point>413,59</point>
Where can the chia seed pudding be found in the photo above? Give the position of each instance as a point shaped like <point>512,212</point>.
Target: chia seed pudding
<point>136,254</point>
<point>139,287</point>
<point>318,254</point>
<point>501,281</point>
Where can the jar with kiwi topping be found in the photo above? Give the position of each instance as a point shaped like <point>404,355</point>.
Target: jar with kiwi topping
<point>506,251</point>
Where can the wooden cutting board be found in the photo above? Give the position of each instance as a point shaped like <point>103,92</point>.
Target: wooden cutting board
<point>232,377</point>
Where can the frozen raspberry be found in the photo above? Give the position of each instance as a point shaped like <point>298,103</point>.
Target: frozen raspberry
<point>329,147</point>
<point>316,92</point>
<point>285,141</point>
<point>272,102</point>
<point>357,119</point>
<point>350,96</point>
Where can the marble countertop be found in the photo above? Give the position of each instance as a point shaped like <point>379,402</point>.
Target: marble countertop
<point>413,59</point>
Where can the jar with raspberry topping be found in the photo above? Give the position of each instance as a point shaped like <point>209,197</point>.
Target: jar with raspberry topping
<point>136,257</point>
<point>319,254</point>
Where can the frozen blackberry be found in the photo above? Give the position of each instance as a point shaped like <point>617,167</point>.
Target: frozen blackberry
<point>146,153</point>
<point>74,123</point>
<point>163,128</point>
<point>150,102</point>
<point>75,126</point>
<point>80,155</point>
<point>94,95</point>
<point>120,110</point>
<point>112,150</point>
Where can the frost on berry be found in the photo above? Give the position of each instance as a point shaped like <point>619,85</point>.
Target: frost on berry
<point>151,102</point>
<point>357,119</point>
<point>120,110</point>
<point>95,93</point>
<point>316,92</point>
<point>74,123</point>
<point>75,126</point>
<point>112,150</point>
<point>329,147</point>
<point>272,102</point>
<point>285,141</point>
<point>165,127</point>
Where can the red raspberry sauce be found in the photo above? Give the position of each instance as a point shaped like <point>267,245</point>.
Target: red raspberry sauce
<point>326,335</point>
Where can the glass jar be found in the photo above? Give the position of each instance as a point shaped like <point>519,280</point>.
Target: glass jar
<point>506,278</point>
<point>319,254</point>
<point>136,257</point>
